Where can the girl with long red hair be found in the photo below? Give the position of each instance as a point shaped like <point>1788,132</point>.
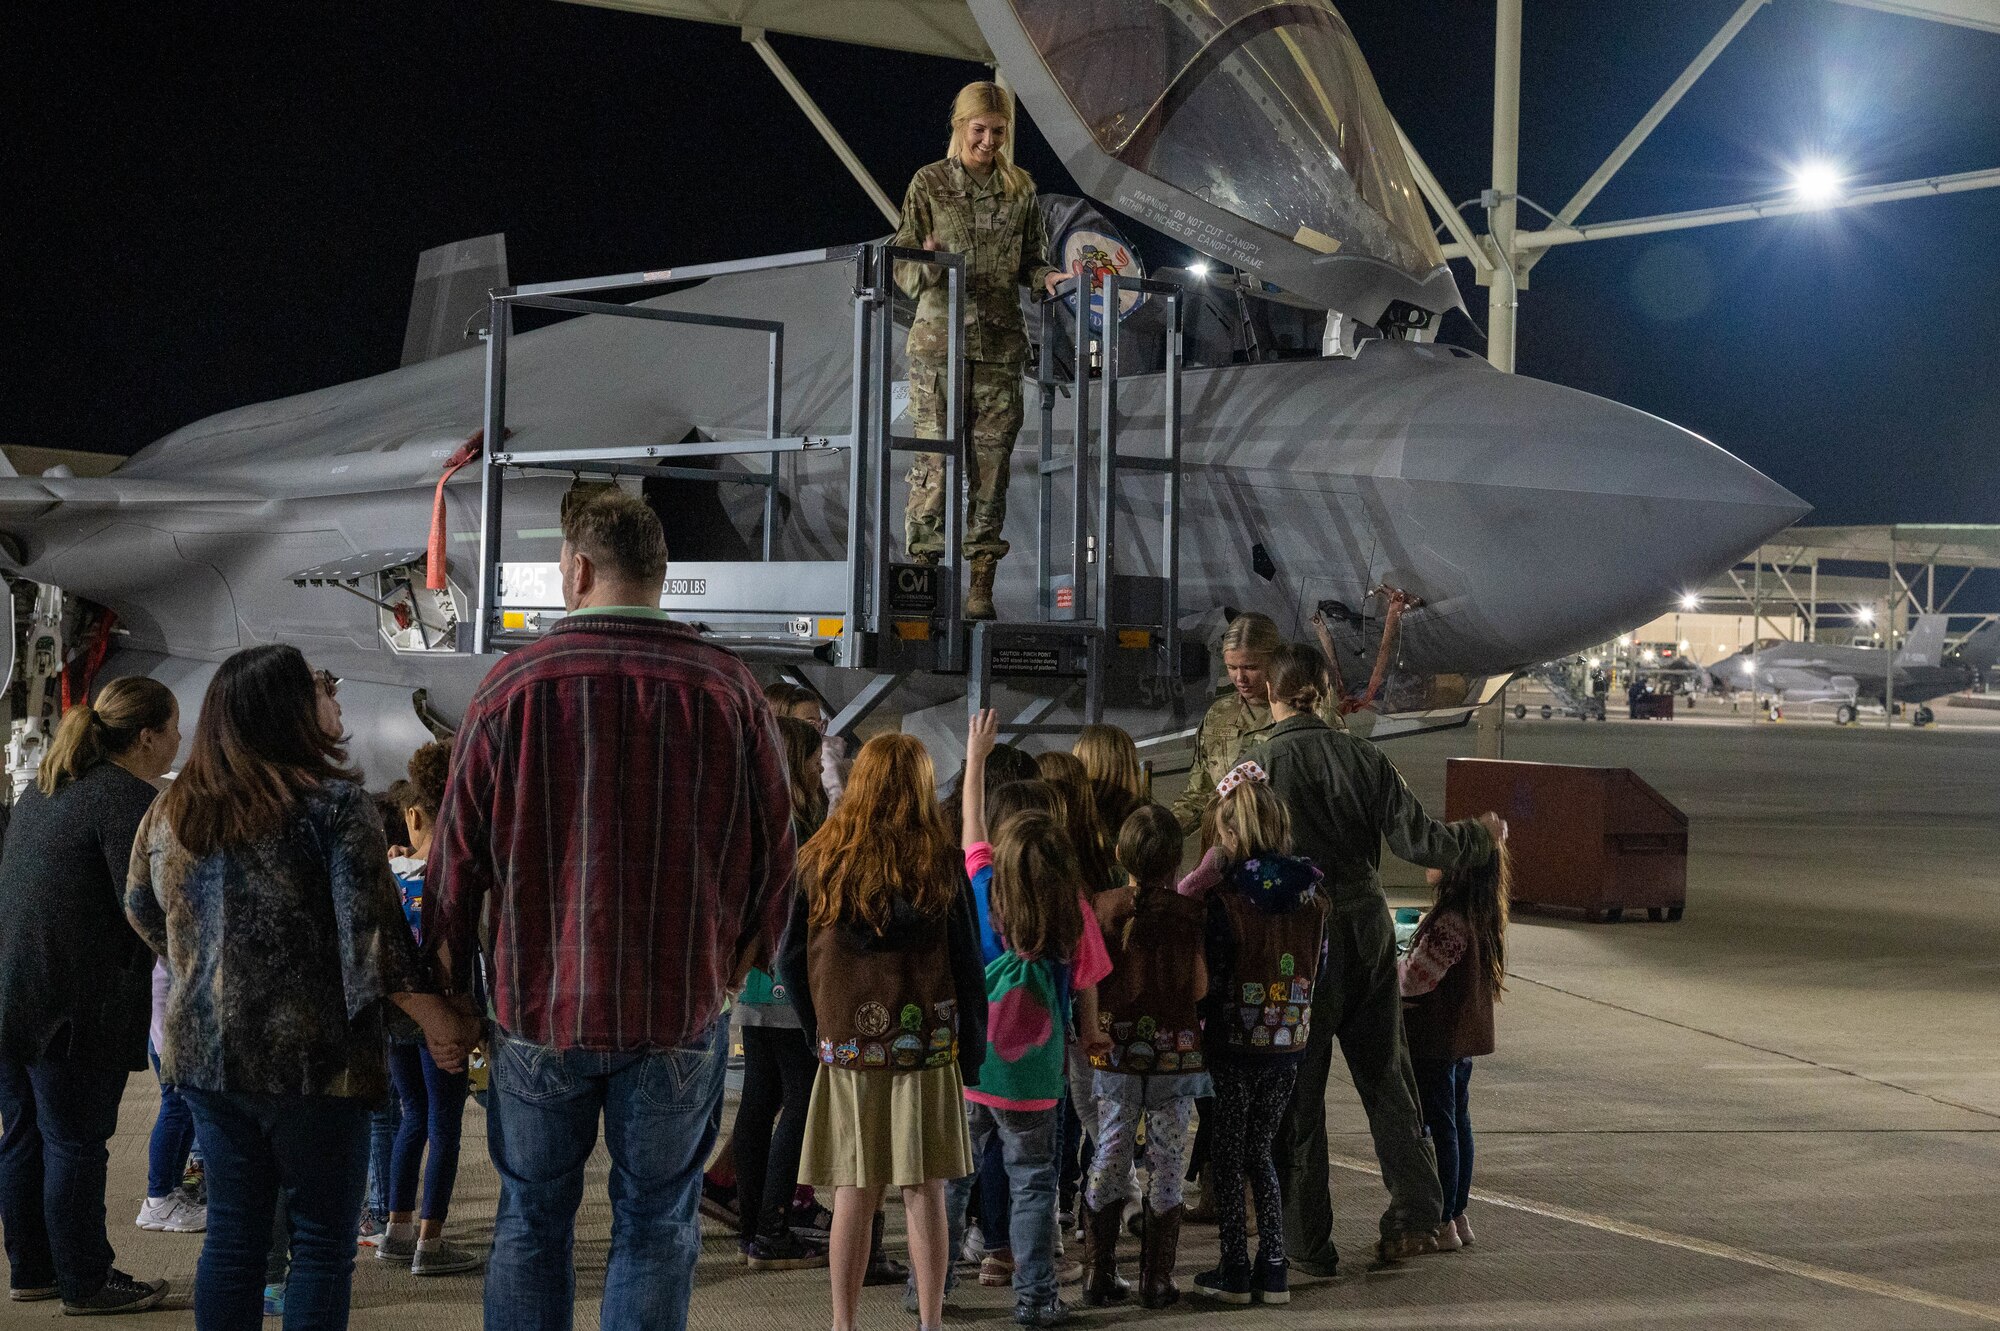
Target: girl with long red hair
<point>883,964</point>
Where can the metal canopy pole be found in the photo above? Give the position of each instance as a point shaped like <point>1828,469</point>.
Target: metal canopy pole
<point>1668,100</point>
<point>1787,206</point>
<point>1441,204</point>
<point>490,478</point>
<point>1895,614</point>
<point>1502,302</point>
<point>1107,458</point>
<point>778,68</point>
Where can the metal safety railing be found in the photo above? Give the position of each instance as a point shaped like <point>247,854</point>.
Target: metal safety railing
<point>1082,604</point>
<point>763,586</point>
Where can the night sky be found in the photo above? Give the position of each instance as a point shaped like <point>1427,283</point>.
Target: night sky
<point>217,204</point>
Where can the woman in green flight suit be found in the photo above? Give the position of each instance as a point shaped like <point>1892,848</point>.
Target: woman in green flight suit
<point>976,203</point>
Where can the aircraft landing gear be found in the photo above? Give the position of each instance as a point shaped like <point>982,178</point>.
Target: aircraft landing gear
<point>1844,714</point>
<point>1924,717</point>
<point>1547,711</point>
<point>1520,712</point>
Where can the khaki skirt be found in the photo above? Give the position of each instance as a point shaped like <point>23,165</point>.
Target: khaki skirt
<point>885,1129</point>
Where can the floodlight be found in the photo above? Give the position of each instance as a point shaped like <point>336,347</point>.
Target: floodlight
<point>1646,655</point>
<point>1596,662</point>
<point>1200,269</point>
<point>1625,641</point>
<point>1865,615</point>
<point>1816,182</point>
<point>1685,644</point>
<point>1689,601</point>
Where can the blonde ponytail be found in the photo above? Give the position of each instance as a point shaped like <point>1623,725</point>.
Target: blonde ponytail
<point>87,736</point>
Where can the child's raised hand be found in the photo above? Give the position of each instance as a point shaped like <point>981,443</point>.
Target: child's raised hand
<point>982,731</point>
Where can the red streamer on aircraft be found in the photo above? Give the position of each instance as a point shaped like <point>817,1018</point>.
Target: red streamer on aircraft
<point>434,569</point>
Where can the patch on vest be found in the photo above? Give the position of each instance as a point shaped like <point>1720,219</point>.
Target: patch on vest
<point>941,1039</point>
<point>1286,966</point>
<point>848,1054</point>
<point>1281,1038</point>
<point>908,1048</point>
<point>947,1011</point>
<point>1184,1041</point>
<point>1253,993</point>
<point>913,1017</point>
<point>871,1019</point>
<point>1261,1037</point>
<point>1141,1056</point>
<point>874,1056</point>
<point>1170,1061</point>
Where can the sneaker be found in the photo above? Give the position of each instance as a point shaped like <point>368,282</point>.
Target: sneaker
<point>1068,1270</point>
<point>790,1253</point>
<point>172,1214</point>
<point>810,1220</point>
<point>974,1247</point>
<point>719,1204</point>
<point>1269,1285</point>
<point>1447,1239</point>
<point>31,1293</point>
<point>910,1297</point>
<point>1404,1246</point>
<point>274,1300</point>
<point>996,1271</point>
<point>438,1258</point>
<point>369,1234</point>
<point>1053,1313</point>
<point>119,1294</point>
<point>1224,1283</point>
<point>392,1247</point>
<point>1464,1228</point>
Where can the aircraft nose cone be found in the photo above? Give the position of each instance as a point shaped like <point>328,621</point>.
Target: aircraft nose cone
<point>1566,519</point>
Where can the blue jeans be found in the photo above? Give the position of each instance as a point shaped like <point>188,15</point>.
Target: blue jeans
<point>173,1137</point>
<point>309,1150</point>
<point>1443,1087</point>
<point>383,1124</point>
<point>660,1112</point>
<point>59,1115</point>
<point>433,1107</point>
<point>1028,1144</point>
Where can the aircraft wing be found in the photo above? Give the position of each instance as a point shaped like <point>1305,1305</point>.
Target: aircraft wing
<point>925,27</point>
<point>32,496</point>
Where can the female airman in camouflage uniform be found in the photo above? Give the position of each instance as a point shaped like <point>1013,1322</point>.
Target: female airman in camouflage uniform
<point>1240,717</point>
<point>977,203</point>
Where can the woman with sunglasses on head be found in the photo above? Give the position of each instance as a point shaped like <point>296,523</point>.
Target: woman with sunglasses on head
<point>263,878</point>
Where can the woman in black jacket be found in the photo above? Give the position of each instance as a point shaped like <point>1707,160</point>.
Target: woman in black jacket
<point>75,993</point>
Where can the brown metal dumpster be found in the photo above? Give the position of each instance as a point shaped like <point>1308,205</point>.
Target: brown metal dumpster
<point>1595,841</point>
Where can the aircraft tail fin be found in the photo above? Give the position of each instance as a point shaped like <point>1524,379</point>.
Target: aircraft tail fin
<point>448,303</point>
<point>1982,648</point>
<point>1925,645</point>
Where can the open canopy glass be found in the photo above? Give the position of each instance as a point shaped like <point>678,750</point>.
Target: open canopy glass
<point>1252,130</point>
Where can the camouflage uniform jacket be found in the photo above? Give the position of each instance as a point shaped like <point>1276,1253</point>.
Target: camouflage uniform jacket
<point>1005,244</point>
<point>1227,732</point>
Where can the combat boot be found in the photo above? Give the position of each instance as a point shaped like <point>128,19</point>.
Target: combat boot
<point>1162,1235</point>
<point>979,600</point>
<point>1102,1283</point>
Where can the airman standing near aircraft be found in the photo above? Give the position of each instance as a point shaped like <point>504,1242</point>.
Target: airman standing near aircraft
<point>1241,717</point>
<point>976,203</point>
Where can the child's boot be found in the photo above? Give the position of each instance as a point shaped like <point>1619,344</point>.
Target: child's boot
<point>1162,1236</point>
<point>882,1268</point>
<point>1102,1283</point>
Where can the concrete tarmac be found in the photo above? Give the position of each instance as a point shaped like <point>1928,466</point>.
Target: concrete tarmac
<point>1783,1111</point>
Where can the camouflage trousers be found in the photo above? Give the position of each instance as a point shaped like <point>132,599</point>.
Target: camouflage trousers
<point>994,400</point>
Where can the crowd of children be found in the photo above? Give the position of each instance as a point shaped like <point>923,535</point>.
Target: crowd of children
<point>973,991</point>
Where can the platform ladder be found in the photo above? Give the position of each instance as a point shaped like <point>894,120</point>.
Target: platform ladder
<point>865,610</point>
<point>1093,621</point>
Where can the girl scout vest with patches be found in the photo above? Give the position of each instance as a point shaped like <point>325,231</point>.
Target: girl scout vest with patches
<point>1146,1006</point>
<point>884,1009</point>
<point>1267,1005</point>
